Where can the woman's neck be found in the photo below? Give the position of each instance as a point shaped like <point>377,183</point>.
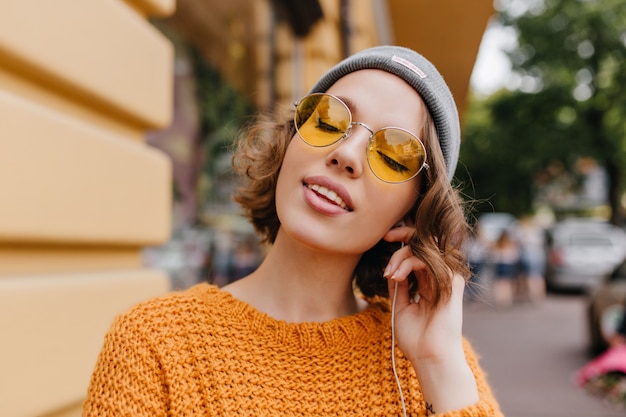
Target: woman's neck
<point>297,284</point>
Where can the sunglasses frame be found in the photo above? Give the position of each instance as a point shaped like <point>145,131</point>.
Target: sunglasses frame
<point>348,131</point>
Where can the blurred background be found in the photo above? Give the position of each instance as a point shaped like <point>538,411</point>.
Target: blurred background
<point>117,119</point>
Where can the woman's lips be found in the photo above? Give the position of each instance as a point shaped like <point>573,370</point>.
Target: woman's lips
<point>327,196</point>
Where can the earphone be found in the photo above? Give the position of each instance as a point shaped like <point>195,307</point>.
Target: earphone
<point>393,338</point>
<point>393,351</point>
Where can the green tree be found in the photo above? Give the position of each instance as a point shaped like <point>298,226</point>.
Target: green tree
<point>223,112</point>
<point>570,102</point>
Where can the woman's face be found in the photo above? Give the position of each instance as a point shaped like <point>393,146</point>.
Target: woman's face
<point>311,178</point>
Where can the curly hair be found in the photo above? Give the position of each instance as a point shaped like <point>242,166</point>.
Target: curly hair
<point>438,216</point>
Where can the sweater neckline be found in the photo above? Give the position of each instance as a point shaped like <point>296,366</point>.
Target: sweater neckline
<point>356,329</point>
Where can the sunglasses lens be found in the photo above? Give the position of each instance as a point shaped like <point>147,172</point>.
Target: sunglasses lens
<point>321,119</point>
<point>395,155</point>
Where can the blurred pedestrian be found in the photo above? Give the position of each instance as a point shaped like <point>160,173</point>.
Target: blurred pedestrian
<point>531,239</point>
<point>506,256</point>
<point>347,201</point>
<point>605,375</point>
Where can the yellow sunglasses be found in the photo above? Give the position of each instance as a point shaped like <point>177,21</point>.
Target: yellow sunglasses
<point>394,154</point>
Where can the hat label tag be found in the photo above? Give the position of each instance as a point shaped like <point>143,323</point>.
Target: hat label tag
<point>409,65</point>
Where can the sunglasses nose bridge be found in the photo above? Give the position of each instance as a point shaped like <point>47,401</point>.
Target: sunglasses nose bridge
<point>366,127</point>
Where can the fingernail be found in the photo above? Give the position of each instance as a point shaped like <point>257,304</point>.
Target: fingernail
<point>387,271</point>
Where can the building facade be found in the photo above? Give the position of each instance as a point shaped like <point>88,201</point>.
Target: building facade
<point>82,194</point>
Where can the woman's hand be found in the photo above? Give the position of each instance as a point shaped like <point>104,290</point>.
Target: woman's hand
<point>430,337</point>
<point>423,333</point>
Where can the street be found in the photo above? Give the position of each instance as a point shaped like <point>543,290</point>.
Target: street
<point>531,353</point>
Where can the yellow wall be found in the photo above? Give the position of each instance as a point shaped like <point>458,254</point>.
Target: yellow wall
<point>80,192</point>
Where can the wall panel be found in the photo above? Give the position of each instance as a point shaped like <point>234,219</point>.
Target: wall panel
<point>81,82</point>
<point>67,181</point>
<point>101,53</point>
<point>52,330</point>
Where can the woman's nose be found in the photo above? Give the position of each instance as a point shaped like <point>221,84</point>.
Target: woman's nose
<point>350,154</point>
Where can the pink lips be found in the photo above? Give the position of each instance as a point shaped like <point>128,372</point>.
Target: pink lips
<point>327,196</point>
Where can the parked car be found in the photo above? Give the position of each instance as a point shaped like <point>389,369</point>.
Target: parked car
<point>606,308</point>
<point>582,252</point>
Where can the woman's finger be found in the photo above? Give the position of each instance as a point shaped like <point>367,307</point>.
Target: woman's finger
<point>408,266</point>
<point>402,297</point>
<point>396,259</point>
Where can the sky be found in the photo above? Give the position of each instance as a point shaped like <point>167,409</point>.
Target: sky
<point>492,68</point>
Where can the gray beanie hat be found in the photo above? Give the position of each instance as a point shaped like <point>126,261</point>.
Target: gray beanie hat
<point>420,74</point>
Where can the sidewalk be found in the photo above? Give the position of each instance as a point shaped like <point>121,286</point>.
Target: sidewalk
<point>531,354</point>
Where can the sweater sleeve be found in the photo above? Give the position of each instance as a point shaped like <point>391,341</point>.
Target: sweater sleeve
<point>487,405</point>
<point>127,379</point>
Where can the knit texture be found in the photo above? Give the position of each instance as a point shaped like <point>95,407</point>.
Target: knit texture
<point>420,74</point>
<point>201,352</point>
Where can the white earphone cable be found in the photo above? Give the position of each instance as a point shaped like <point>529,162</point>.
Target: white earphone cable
<point>393,348</point>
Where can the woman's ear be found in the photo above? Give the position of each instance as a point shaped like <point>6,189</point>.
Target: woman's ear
<point>405,221</point>
<point>401,223</point>
<point>408,219</point>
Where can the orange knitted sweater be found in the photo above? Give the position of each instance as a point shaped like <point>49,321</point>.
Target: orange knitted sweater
<point>201,352</point>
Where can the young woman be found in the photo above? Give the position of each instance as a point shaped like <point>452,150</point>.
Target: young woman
<point>357,308</point>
